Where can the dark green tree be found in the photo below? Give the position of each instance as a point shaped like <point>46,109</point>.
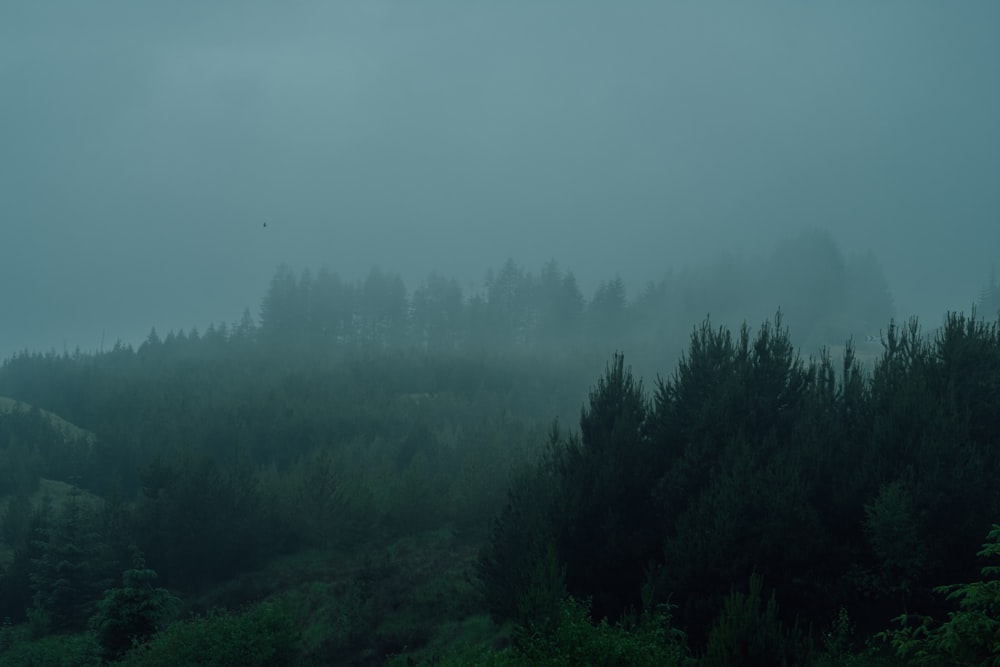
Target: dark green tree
<point>70,571</point>
<point>198,520</point>
<point>132,614</point>
<point>735,471</point>
<point>895,536</point>
<point>606,528</point>
<point>519,568</point>
<point>16,588</point>
<point>746,635</point>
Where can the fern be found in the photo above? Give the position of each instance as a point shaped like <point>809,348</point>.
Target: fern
<point>971,635</point>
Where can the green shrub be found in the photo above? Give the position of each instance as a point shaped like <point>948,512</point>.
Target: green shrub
<point>577,642</point>
<point>574,641</point>
<point>74,650</point>
<point>971,635</point>
<point>745,634</point>
<point>264,636</point>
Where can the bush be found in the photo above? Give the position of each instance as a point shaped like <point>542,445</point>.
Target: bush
<point>264,636</point>
<point>971,635</point>
<point>71,650</point>
<point>574,641</point>
<point>577,642</point>
<point>744,634</point>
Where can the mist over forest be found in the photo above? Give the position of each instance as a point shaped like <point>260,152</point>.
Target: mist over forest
<point>145,148</point>
<point>364,475</point>
<point>505,334</point>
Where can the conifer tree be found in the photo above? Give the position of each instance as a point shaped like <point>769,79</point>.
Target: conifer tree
<point>133,613</point>
<point>69,572</point>
<point>607,530</point>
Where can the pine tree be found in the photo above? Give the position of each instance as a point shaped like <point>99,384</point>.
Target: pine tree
<point>69,573</point>
<point>745,634</point>
<point>989,299</point>
<point>607,532</point>
<point>131,614</point>
<point>514,564</point>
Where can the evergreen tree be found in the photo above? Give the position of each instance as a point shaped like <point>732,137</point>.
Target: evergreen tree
<point>606,528</point>
<point>284,309</point>
<point>892,526</point>
<point>509,304</point>
<point>519,567</point>
<point>132,614</point>
<point>70,570</point>
<point>559,307</point>
<point>607,307</point>
<point>438,314</point>
<point>869,304</point>
<point>331,307</point>
<point>989,298</point>
<point>198,520</point>
<point>809,280</point>
<point>16,588</point>
<point>744,635</point>
<point>382,310</point>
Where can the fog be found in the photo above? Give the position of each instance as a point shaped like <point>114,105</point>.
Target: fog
<point>143,147</point>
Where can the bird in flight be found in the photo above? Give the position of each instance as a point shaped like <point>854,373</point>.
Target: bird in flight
<point>265,225</point>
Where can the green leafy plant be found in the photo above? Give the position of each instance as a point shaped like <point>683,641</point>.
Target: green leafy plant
<point>263,636</point>
<point>576,641</point>
<point>63,650</point>
<point>971,635</point>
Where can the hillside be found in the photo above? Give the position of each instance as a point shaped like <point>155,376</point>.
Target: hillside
<point>69,429</point>
<point>364,499</point>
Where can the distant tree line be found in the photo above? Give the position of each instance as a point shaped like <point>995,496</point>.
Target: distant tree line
<point>216,451</point>
<point>826,299</point>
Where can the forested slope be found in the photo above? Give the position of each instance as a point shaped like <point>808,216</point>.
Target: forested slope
<point>842,490</point>
<point>367,472</point>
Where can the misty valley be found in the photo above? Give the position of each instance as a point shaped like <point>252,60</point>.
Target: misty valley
<point>746,463</point>
<point>434,333</point>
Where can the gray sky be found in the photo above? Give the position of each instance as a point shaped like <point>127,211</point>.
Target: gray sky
<point>143,145</point>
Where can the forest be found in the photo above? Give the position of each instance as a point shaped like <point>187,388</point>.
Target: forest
<point>749,463</point>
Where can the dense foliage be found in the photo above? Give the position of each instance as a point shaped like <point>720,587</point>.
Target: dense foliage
<point>132,614</point>
<point>840,490</point>
<point>366,473</point>
<point>971,635</point>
